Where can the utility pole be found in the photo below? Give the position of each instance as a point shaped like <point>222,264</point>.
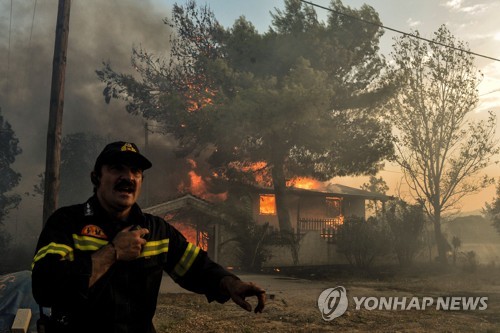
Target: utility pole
<point>146,152</point>
<point>53,156</point>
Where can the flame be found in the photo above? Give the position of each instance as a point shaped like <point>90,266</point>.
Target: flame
<point>306,183</point>
<point>198,238</point>
<point>198,186</point>
<point>197,99</point>
<point>258,170</point>
<point>261,176</point>
<point>339,220</point>
<point>254,166</point>
<point>267,204</point>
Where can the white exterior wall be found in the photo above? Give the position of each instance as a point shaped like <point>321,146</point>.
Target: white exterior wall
<point>313,251</point>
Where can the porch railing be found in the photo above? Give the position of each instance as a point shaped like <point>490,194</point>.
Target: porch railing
<point>326,226</point>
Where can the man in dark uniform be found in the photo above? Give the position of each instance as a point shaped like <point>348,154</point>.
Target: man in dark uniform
<point>99,265</point>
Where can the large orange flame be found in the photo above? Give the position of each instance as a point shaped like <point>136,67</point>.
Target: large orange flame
<point>198,238</point>
<point>306,183</point>
<point>258,169</point>
<point>198,186</point>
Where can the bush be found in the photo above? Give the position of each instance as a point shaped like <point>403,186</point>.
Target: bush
<point>406,223</point>
<point>469,262</point>
<point>247,237</point>
<point>362,241</point>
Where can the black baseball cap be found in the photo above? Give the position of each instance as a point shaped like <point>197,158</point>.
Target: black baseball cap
<point>122,152</point>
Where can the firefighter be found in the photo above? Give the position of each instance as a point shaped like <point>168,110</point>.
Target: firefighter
<point>98,265</point>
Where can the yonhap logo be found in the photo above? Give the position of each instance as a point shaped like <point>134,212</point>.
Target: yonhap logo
<point>332,303</point>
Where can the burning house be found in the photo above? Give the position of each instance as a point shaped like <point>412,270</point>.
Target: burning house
<point>197,219</point>
<point>315,216</point>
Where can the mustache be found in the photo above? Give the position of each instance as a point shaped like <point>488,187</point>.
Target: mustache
<point>125,184</point>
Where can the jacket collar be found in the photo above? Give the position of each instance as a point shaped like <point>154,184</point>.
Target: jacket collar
<point>92,207</point>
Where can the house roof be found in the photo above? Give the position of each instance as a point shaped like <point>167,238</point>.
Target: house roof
<point>335,190</point>
<point>346,190</point>
<point>186,201</point>
<point>190,201</point>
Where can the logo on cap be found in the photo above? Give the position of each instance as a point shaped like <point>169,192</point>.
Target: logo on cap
<point>128,147</point>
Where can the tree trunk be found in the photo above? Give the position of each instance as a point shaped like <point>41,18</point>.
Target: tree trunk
<point>286,230</point>
<point>440,240</point>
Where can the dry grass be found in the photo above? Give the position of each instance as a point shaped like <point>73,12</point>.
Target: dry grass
<point>297,312</point>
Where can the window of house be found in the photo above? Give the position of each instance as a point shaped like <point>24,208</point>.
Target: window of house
<point>333,206</point>
<point>267,204</point>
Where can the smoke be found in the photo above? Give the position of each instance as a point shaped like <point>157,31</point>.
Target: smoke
<point>99,31</point>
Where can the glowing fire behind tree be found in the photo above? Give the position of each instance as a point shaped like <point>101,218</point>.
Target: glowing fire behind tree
<point>197,185</point>
<point>306,183</point>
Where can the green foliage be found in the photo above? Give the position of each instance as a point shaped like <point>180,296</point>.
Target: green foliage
<point>9,149</point>
<point>174,91</point>
<point>406,223</point>
<point>492,210</point>
<point>298,101</point>
<point>362,241</point>
<point>375,185</point>
<point>247,236</point>
<point>292,97</point>
<point>441,150</point>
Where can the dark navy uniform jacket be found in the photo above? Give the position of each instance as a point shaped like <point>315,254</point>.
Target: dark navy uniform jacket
<point>124,299</point>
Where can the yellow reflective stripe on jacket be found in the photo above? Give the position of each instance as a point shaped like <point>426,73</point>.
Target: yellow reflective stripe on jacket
<point>65,251</point>
<point>154,248</point>
<point>187,260</point>
<point>86,243</point>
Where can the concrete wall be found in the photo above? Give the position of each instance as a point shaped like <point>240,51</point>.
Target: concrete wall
<point>313,251</point>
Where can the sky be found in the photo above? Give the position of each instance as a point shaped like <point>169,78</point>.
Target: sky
<point>107,30</point>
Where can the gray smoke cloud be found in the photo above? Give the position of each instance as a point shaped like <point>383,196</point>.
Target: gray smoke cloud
<point>99,31</point>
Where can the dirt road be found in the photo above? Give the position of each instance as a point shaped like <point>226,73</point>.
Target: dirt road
<point>293,306</point>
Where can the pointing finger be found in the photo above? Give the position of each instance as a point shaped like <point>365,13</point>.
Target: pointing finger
<point>242,303</point>
<point>261,302</point>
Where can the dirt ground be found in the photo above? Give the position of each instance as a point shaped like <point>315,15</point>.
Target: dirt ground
<point>292,304</point>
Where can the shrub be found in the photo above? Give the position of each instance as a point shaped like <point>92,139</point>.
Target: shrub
<point>362,241</point>
<point>406,223</point>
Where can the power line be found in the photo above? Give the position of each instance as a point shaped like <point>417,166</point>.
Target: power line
<point>10,33</point>
<point>398,31</point>
<point>490,92</point>
<point>32,24</point>
<point>29,43</point>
